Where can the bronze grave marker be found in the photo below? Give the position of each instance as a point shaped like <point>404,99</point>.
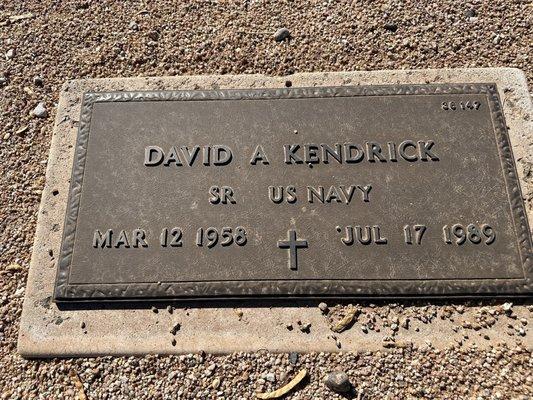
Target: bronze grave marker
<point>399,190</point>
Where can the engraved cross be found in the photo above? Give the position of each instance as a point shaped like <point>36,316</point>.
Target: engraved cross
<point>292,244</point>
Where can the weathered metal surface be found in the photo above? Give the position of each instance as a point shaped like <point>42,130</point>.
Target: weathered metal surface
<point>334,191</point>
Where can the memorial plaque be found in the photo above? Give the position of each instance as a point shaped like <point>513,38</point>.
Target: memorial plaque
<point>327,191</point>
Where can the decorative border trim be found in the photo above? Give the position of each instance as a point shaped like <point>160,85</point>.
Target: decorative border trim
<point>284,288</point>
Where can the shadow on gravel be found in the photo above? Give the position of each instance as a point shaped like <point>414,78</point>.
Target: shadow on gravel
<point>290,302</point>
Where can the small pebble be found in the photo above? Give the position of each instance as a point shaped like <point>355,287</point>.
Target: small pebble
<point>215,383</point>
<point>391,27</point>
<point>175,329</point>
<point>469,13</point>
<point>10,54</point>
<point>154,310</point>
<point>270,377</point>
<point>282,34</point>
<point>293,357</point>
<point>40,111</point>
<point>338,381</point>
<point>239,314</point>
<point>38,81</point>
<point>305,328</point>
<point>323,307</point>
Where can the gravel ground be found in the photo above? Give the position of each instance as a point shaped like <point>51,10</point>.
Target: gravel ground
<point>43,43</point>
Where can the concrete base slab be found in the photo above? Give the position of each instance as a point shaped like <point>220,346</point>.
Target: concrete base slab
<point>47,331</point>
